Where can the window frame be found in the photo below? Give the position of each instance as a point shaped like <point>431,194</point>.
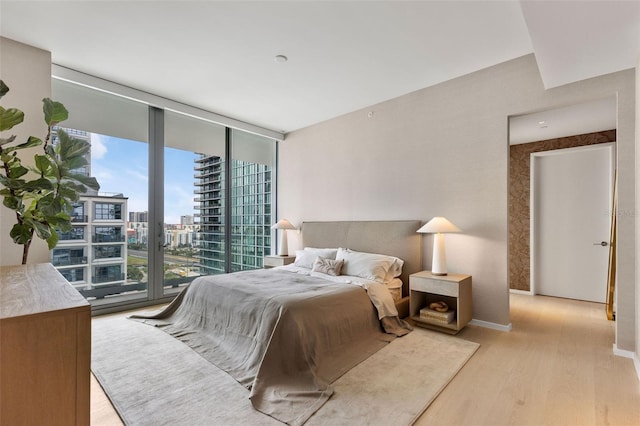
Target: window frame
<point>156,107</point>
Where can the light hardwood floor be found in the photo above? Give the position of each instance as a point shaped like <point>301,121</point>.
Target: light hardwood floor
<point>555,368</point>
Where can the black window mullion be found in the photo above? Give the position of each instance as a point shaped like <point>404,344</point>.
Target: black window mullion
<point>227,200</point>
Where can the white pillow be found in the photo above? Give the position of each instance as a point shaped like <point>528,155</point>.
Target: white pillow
<point>327,253</point>
<point>396,268</point>
<point>305,259</point>
<point>371,266</point>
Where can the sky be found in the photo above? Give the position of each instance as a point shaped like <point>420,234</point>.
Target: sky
<point>122,166</point>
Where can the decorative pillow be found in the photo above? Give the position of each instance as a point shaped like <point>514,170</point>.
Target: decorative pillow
<point>305,259</point>
<point>370,266</point>
<point>327,266</point>
<point>327,253</point>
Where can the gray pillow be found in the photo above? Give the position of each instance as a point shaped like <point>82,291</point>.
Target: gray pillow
<point>327,266</point>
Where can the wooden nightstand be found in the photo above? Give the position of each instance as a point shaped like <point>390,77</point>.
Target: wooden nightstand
<point>454,289</point>
<point>272,261</point>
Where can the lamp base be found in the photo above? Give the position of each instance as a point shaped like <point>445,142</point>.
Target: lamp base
<point>439,263</point>
<point>283,250</point>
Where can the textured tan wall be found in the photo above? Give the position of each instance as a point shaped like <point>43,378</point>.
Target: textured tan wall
<point>519,196</point>
<point>444,151</point>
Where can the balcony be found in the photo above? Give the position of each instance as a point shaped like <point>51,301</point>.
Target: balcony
<point>66,261</point>
<point>215,167</point>
<point>107,278</point>
<point>70,237</point>
<point>99,238</point>
<point>202,181</point>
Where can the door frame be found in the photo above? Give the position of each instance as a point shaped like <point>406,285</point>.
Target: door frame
<point>536,156</point>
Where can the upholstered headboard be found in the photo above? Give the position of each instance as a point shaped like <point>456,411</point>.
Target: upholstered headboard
<point>393,238</point>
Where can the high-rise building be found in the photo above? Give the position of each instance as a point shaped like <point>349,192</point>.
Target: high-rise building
<point>186,219</point>
<point>138,216</point>
<point>93,255</point>
<point>250,213</point>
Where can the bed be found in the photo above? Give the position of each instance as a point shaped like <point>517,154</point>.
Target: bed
<point>287,336</point>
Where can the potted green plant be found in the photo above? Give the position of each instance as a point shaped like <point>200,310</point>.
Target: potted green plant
<point>42,195</point>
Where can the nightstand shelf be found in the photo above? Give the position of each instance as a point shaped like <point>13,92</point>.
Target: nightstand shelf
<point>453,289</point>
<point>273,261</point>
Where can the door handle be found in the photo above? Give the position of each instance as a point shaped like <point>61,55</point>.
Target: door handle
<point>603,244</point>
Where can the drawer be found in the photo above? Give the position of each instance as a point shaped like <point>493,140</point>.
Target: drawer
<point>428,285</point>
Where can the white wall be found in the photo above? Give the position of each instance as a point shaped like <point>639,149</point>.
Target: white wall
<point>27,72</point>
<point>443,151</point>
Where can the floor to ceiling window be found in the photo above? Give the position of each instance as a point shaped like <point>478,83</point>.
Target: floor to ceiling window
<point>180,197</point>
<point>97,256</point>
<point>252,160</point>
<point>193,199</point>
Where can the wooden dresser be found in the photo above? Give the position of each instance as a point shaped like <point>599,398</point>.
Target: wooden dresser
<point>45,348</point>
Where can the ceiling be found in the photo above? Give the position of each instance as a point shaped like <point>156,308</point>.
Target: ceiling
<point>588,117</point>
<point>342,55</point>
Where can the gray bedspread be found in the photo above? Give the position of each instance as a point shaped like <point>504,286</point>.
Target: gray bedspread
<point>284,336</point>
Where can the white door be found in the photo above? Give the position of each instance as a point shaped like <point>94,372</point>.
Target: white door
<point>571,193</point>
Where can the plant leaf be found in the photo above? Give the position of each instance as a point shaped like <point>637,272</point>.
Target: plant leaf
<point>16,170</point>
<point>43,163</point>
<point>54,112</point>
<point>43,231</point>
<point>31,142</point>
<point>71,148</point>
<point>42,184</point>
<point>10,202</point>
<point>10,117</point>
<point>29,202</point>
<point>3,89</point>
<point>52,240</point>
<point>88,181</point>
<point>21,234</point>
<point>10,139</point>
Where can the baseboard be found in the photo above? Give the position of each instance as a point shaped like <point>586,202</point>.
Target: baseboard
<point>492,325</point>
<point>628,354</point>
<point>514,291</point>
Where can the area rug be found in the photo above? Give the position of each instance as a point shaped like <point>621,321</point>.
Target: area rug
<point>153,379</point>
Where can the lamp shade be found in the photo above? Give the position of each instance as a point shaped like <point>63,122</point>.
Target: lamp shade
<point>283,224</point>
<point>438,225</point>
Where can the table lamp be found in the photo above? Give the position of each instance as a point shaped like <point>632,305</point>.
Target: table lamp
<point>283,225</point>
<point>438,226</point>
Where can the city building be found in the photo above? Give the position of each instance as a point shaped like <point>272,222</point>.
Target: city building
<point>180,236</point>
<point>186,219</point>
<point>139,217</point>
<point>93,255</point>
<point>250,214</point>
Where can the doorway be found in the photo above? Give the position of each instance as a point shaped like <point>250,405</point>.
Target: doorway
<point>571,193</point>
<point>573,126</point>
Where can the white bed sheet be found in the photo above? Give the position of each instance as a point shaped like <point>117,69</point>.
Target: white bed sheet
<point>394,286</point>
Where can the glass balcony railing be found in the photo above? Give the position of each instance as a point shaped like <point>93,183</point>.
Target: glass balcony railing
<point>65,261</point>
<point>97,279</point>
<point>70,237</point>
<point>98,238</point>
